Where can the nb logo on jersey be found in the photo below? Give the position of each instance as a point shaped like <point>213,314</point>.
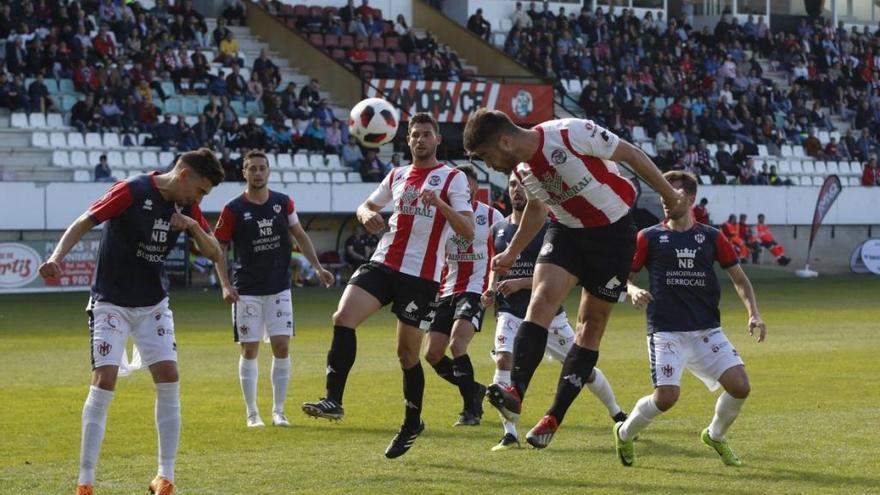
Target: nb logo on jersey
<point>686,257</point>
<point>265,226</point>
<point>160,231</point>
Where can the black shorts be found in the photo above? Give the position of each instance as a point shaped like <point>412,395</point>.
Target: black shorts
<point>463,306</point>
<point>410,297</point>
<point>600,257</point>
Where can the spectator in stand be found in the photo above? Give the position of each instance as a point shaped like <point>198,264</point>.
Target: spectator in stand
<point>865,145</point>
<point>747,174</point>
<point>725,160</point>
<point>167,133</point>
<point>84,115</point>
<point>267,71</point>
<point>365,9</point>
<point>236,85</point>
<point>352,157</point>
<point>701,213</point>
<point>400,25</point>
<point>373,170</point>
<point>231,168</point>
<point>347,13</point>
<point>102,170</point>
<point>220,32</point>
<point>520,19</point>
<point>111,114</point>
<point>38,95</point>
<point>358,54</point>
<point>871,173</point>
<point>311,92</point>
<point>228,54</point>
<point>333,137</point>
<point>813,147</point>
<point>830,150</point>
<point>479,25</point>
<point>357,249</point>
<point>233,12</point>
<point>314,136</point>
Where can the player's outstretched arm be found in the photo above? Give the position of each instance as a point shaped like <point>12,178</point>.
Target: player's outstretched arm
<point>462,222</point>
<point>533,218</point>
<point>642,164</point>
<point>230,295</point>
<point>52,268</point>
<point>639,297</point>
<point>308,250</point>
<point>206,243</point>
<point>747,295</point>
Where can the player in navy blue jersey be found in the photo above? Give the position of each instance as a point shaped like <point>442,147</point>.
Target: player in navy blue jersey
<point>511,293</point>
<point>143,217</point>
<point>259,224</point>
<point>684,322</point>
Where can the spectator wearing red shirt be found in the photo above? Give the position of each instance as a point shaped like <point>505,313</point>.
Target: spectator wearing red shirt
<point>701,213</point>
<point>366,10</point>
<point>870,175</point>
<point>104,44</point>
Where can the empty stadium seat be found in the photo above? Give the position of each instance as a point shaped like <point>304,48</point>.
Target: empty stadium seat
<point>270,158</point>
<point>843,168</point>
<point>648,147</point>
<point>354,177</point>
<point>166,158</point>
<point>322,177</point>
<point>78,159</point>
<point>40,140</point>
<point>114,158</point>
<point>60,158</point>
<point>82,176</point>
<point>300,160</point>
<point>150,159</point>
<point>37,120</point>
<point>820,168</point>
<point>284,161</point>
<point>712,148</point>
<point>796,167</point>
<point>93,140</point>
<point>57,140</point>
<point>19,120</point>
<point>76,140</point>
<point>786,151</point>
<point>762,150</point>
<point>806,180</point>
<point>832,168</point>
<point>855,168</point>
<point>316,161</point>
<point>111,140</point>
<point>337,177</point>
<point>817,181</point>
<point>798,151</point>
<point>55,121</point>
<point>131,159</point>
<point>639,134</point>
<point>824,137</point>
<point>289,176</point>
<point>333,162</point>
<point>306,177</point>
<point>808,167</point>
<point>855,181</point>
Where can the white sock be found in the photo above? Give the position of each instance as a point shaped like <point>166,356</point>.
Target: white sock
<point>640,417</point>
<point>509,427</point>
<point>602,390</point>
<point>280,379</point>
<point>726,410</point>
<point>247,374</point>
<point>94,422</point>
<point>168,426</point>
<point>502,377</point>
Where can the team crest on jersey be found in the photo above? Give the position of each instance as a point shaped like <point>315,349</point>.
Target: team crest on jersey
<point>276,209</point>
<point>434,180</point>
<point>410,195</point>
<point>552,183</point>
<point>667,370</point>
<point>546,249</point>
<point>558,157</point>
<point>700,238</point>
<point>481,219</point>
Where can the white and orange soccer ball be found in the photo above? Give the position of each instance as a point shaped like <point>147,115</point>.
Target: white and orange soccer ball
<point>373,122</point>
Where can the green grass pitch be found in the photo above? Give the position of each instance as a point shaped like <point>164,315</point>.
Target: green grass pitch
<point>810,426</point>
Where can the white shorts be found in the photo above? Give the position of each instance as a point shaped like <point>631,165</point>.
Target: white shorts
<point>559,339</point>
<point>254,317</point>
<point>706,353</point>
<point>151,328</point>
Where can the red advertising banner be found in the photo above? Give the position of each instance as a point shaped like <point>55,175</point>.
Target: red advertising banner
<point>452,102</point>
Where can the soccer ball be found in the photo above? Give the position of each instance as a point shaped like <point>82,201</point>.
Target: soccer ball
<point>373,122</point>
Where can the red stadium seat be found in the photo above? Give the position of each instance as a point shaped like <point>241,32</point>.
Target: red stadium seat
<point>331,12</point>
<point>300,10</point>
<point>385,58</point>
<point>367,71</point>
<point>400,58</point>
<point>338,54</point>
<point>346,41</point>
<point>317,39</point>
<point>331,40</point>
<point>371,57</point>
<point>392,43</point>
<point>316,11</point>
<point>377,43</point>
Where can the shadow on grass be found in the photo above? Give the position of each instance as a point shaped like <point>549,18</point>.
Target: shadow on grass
<point>781,475</point>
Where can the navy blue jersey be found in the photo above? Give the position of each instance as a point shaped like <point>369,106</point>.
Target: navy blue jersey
<point>137,236</point>
<point>261,236</point>
<point>682,276</point>
<point>524,267</point>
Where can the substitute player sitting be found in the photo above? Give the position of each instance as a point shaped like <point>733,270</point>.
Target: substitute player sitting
<point>510,293</point>
<point>684,322</point>
<point>143,217</point>
<point>458,312</point>
<point>259,223</point>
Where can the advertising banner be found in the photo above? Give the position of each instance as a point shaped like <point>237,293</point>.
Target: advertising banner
<point>452,102</point>
<point>20,262</point>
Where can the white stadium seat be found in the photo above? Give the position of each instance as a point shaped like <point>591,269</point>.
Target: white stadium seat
<point>762,150</point>
<point>817,181</point>
<point>78,159</point>
<point>111,140</point>
<point>843,168</point>
<point>333,162</point>
<point>354,177</point>
<point>55,121</point>
<point>82,176</point>
<point>93,140</point>
<point>832,168</point>
<point>795,180</point>
<point>855,168</point>
<point>60,158</point>
<point>95,157</point>
<point>132,159</point>
<point>806,180</point>
<point>37,120</point>
<point>57,140</point>
<point>284,161</point>
<point>796,167</point>
<point>799,151</point>
<point>322,177</point>
<point>786,151</point>
<point>855,181</point>
<point>19,120</point>
<point>76,140</point>
<point>820,168</point>
<point>808,167</point>
<point>270,157</point>
<point>337,177</point>
<point>165,159</point>
<point>40,140</point>
<point>114,158</point>
<point>648,147</point>
<point>306,177</point>
<point>150,159</point>
<point>300,161</point>
<point>288,176</point>
<point>639,134</point>
<point>316,161</point>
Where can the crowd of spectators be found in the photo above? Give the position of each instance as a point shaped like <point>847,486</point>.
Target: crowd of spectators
<point>362,39</point>
<point>712,87</point>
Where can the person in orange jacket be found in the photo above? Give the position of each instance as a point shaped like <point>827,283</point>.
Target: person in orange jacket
<point>731,230</point>
<point>748,238</point>
<point>766,239</point>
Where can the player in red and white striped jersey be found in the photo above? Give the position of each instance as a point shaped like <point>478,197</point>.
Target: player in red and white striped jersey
<point>458,313</point>
<point>430,201</point>
<point>566,166</point>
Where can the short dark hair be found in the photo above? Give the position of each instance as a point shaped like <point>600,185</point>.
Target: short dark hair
<point>204,163</point>
<point>254,154</point>
<point>423,118</point>
<point>687,179</point>
<point>468,169</point>
<point>484,126</point>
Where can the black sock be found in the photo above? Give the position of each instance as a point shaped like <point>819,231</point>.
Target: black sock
<point>463,370</point>
<point>578,365</point>
<point>340,359</point>
<point>413,390</point>
<point>528,350</point>
<point>444,370</point>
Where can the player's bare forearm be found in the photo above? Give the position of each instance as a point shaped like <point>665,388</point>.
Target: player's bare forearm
<point>744,289</point>
<point>72,235</point>
<point>644,167</point>
<point>533,218</point>
<point>206,243</point>
<point>221,267</point>
<point>462,222</point>
<point>305,245</point>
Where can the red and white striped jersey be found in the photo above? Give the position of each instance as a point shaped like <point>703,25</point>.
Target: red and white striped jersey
<point>467,262</point>
<point>415,243</point>
<point>571,173</point>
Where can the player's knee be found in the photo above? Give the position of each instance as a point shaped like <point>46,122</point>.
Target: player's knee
<point>281,351</point>
<point>340,318</point>
<point>433,355</point>
<point>408,357</point>
<point>458,347</point>
<point>249,352</point>
<point>741,389</point>
<point>665,397</point>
